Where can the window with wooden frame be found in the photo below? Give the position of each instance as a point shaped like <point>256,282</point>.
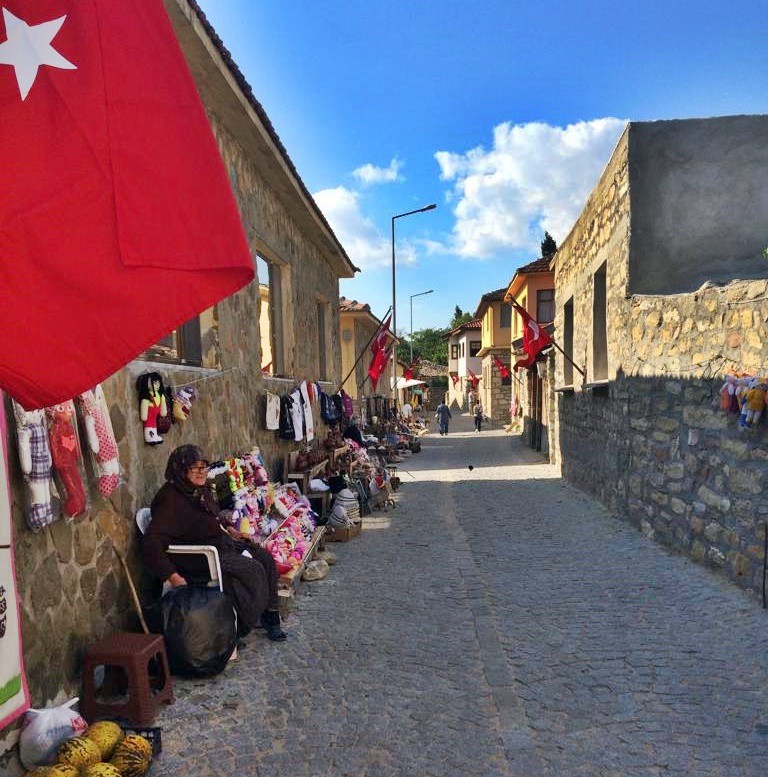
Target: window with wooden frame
<point>181,346</point>
<point>545,306</point>
<point>568,342</point>
<point>474,347</point>
<point>322,339</point>
<point>270,276</point>
<point>505,316</point>
<point>455,351</point>
<point>599,326</point>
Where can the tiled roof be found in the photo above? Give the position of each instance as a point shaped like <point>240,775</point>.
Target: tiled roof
<point>540,265</point>
<point>475,323</point>
<point>431,370</point>
<point>486,299</point>
<point>353,306</point>
<point>247,91</point>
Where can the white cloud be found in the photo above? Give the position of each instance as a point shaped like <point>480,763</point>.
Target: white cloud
<point>535,178</point>
<point>365,245</point>
<point>370,174</point>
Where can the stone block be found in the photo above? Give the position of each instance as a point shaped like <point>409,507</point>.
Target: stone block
<point>675,470</point>
<point>677,506</point>
<point>704,418</point>
<point>716,556</point>
<point>47,591</point>
<point>738,449</point>
<point>61,534</point>
<point>665,424</point>
<point>712,531</point>
<point>698,550</point>
<point>713,499</point>
<point>744,480</point>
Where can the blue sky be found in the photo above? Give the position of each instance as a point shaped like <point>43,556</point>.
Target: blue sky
<point>503,113</point>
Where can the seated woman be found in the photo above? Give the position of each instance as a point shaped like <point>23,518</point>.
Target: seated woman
<point>352,432</point>
<point>185,511</point>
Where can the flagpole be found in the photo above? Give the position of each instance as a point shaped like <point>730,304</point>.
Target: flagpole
<point>362,353</point>
<point>516,304</point>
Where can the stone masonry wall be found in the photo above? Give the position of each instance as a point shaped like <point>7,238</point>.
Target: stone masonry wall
<point>71,587</point>
<point>495,396</point>
<point>653,444</point>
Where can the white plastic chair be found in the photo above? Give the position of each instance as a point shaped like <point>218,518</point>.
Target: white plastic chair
<point>211,553</point>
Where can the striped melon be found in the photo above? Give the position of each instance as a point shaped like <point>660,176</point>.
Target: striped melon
<point>106,735</point>
<point>101,770</point>
<point>79,752</point>
<point>64,770</point>
<point>132,756</point>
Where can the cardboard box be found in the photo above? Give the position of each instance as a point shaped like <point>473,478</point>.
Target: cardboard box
<point>342,535</point>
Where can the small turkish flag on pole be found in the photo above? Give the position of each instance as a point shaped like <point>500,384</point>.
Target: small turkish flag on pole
<point>501,367</point>
<point>474,378</point>
<point>535,339</point>
<point>378,363</point>
<point>380,339</point>
<point>117,219</point>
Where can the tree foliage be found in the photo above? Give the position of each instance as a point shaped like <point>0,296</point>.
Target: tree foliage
<point>459,318</point>
<point>548,245</point>
<point>428,344</point>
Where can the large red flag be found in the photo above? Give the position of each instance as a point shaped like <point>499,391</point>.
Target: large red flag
<point>378,365</point>
<point>117,219</point>
<point>409,370</point>
<point>379,341</point>
<point>474,378</point>
<point>535,339</point>
<point>500,366</point>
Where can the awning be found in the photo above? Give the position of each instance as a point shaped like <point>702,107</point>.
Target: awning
<point>404,383</point>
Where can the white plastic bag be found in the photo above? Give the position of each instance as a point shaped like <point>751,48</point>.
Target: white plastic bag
<point>45,730</point>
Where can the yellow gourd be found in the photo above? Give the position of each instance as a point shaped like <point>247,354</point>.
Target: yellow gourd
<point>79,752</point>
<point>102,770</point>
<point>132,756</point>
<point>106,735</point>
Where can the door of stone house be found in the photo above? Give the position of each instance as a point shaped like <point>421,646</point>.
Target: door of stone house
<point>535,409</point>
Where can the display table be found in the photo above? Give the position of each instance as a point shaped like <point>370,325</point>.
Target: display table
<point>289,582</point>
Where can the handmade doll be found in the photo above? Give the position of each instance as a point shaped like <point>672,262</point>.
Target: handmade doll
<point>727,394</point>
<point>152,404</point>
<point>65,451</point>
<point>182,403</point>
<point>35,460</point>
<point>101,440</point>
<point>755,403</point>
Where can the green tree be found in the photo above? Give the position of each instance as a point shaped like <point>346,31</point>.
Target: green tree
<point>459,318</point>
<point>427,344</point>
<point>548,245</point>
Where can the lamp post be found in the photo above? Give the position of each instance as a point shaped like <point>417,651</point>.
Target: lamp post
<point>394,295</point>
<point>420,294</point>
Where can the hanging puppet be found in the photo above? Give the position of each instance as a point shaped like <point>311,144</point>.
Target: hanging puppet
<point>67,461</point>
<point>35,460</point>
<point>152,404</point>
<point>101,440</point>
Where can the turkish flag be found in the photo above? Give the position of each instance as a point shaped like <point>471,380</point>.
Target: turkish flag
<point>501,367</point>
<point>378,364</point>
<point>409,370</point>
<point>454,378</point>
<point>380,338</point>
<point>535,339</point>
<point>117,219</point>
<point>474,378</point>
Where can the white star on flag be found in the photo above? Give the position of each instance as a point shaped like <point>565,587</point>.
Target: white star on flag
<point>27,47</point>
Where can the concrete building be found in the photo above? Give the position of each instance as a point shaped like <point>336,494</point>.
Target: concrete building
<point>661,291</point>
<point>533,288</point>
<point>70,585</point>
<point>496,338</point>
<point>464,344</point>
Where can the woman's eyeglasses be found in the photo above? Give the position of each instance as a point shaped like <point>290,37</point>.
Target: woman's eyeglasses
<point>200,468</point>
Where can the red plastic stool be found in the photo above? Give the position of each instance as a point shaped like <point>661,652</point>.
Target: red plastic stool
<point>132,653</point>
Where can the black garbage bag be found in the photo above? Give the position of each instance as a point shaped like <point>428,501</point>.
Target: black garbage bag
<point>200,628</point>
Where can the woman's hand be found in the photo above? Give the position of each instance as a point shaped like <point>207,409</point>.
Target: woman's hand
<point>176,580</point>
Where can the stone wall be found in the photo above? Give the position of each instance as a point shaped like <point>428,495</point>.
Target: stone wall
<point>71,586</point>
<point>650,441</point>
<point>495,395</point>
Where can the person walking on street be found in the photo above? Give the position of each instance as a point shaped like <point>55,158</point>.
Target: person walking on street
<point>477,412</point>
<point>443,416</point>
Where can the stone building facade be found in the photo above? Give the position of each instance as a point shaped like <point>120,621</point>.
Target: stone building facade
<point>496,316</point>
<point>643,429</point>
<point>71,587</point>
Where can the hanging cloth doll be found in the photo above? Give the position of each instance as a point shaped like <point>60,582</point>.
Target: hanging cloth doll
<point>35,460</point>
<point>65,452</point>
<point>101,440</point>
<point>286,430</point>
<point>151,404</point>
<point>272,421</point>
<point>297,413</point>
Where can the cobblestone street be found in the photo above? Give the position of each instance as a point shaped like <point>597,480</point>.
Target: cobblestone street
<point>498,622</point>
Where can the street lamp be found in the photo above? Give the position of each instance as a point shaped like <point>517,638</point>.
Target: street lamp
<point>420,294</point>
<point>394,295</point>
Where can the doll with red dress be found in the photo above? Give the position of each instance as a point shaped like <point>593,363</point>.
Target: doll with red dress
<point>65,451</point>
<point>152,404</point>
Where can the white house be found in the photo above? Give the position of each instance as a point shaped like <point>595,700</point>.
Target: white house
<point>464,343</point>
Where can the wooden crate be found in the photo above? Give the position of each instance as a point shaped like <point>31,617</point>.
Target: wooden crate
<point>343,535</point>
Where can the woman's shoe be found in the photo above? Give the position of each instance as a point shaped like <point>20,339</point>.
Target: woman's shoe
<point>270,620</point>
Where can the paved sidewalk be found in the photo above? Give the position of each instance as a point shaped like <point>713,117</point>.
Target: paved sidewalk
<point>496,623</point>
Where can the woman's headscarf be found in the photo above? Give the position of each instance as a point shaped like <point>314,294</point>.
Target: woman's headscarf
<point>179,462</point>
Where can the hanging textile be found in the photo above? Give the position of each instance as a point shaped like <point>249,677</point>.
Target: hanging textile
<point>14,696</point>
<point>297,414</point>
<point>273,412</point>
<point>309,421</point>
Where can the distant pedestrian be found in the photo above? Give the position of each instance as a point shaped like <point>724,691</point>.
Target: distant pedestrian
<point>477,412</point>
<point>443,416</point>
<point>406,411</point>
